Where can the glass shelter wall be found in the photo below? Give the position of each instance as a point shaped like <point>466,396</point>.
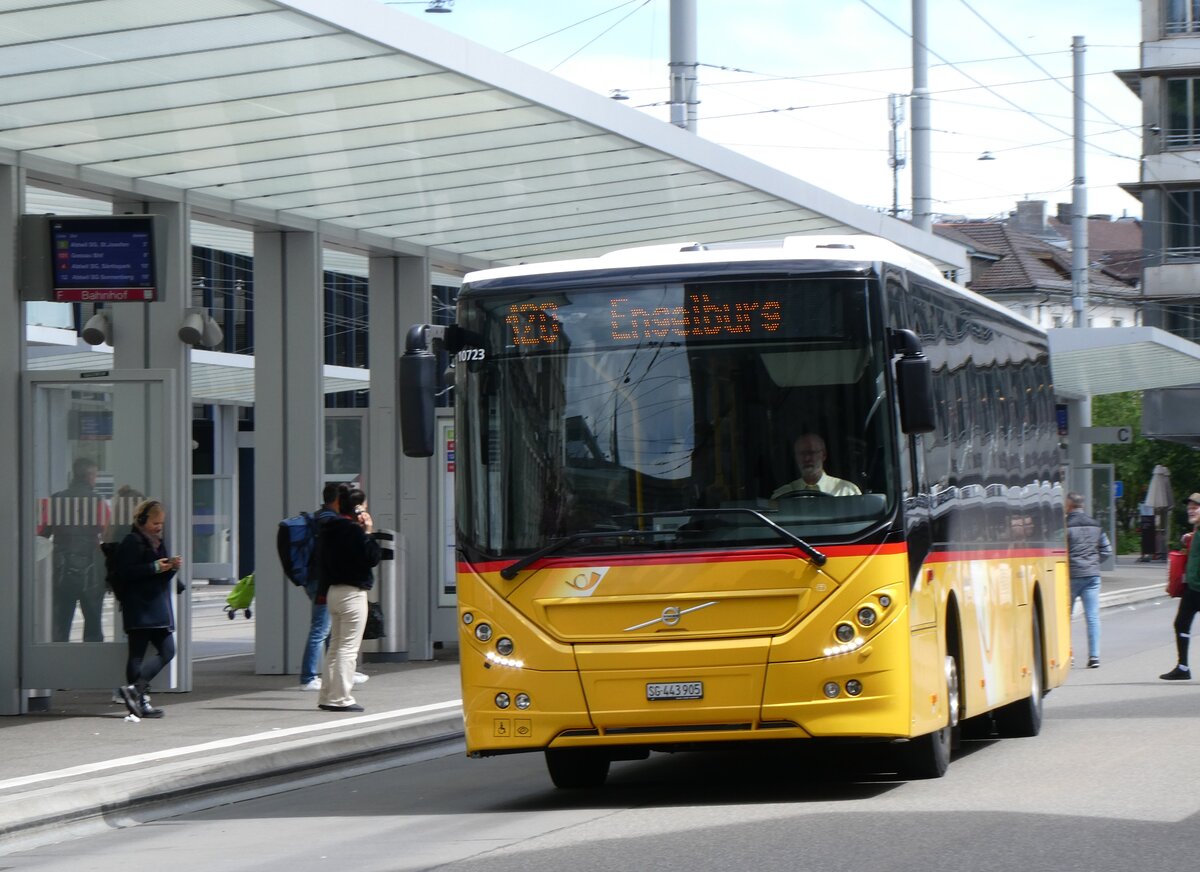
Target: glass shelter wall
<point>95,454</point>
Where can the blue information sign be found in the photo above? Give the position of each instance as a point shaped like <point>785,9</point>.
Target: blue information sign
<point>109,260</point>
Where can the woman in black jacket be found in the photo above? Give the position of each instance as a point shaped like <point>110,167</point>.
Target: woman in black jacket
<point>145,574</point>
<point>347,554</point>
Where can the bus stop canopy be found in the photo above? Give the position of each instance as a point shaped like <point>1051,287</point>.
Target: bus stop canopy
<point>1090,362</point>
<point>380,131</point>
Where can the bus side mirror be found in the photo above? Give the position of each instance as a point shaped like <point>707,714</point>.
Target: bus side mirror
<point>914,382</point>
<point>418,384</point>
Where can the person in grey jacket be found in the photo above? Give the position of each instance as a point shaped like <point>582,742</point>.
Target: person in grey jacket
<point>1087,548</point>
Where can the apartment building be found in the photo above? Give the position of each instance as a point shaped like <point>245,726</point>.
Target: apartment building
<point>1168,83</point>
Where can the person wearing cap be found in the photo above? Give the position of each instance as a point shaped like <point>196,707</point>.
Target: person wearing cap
<point>1087,548</point>
<point>1189,601</point>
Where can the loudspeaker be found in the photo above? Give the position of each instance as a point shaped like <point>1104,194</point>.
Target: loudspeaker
<point>98,329</point>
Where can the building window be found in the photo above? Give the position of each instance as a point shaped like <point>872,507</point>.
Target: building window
<point>1118,322</point>
<point>1181,16</point>
<point>1183,112</point>
<point>1058,321</point>
<point>1182,233</point>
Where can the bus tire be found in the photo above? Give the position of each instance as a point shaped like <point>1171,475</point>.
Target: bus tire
<point>576,768</point>
<point>928,756</point>
<point>1023,718</point>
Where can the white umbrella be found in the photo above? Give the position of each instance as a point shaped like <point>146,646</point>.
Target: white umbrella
<point>1158,495</point>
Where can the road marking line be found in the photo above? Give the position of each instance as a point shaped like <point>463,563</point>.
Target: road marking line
<point>221,744</point>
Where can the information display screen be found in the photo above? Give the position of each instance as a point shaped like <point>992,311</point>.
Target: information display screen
<point>102,260</point>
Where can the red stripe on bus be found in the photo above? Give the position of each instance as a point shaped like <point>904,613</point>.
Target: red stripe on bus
<point>677,558</point>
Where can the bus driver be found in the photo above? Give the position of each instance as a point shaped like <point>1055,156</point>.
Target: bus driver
<point>809,450</point>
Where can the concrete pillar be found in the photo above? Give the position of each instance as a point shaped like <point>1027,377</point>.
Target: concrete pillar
<point>401,488</point>
<point>289,434</point>
<point>12,365</point>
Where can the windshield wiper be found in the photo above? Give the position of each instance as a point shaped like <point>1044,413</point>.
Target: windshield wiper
<point>812,553</point>
<point>510,572</point>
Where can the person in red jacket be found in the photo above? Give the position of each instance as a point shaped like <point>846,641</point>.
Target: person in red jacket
<point>1189,601</point>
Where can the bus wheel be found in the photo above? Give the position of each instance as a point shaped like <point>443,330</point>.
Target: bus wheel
<point>572,768</point>
<point>1024,717</point>
<point>928,756</point>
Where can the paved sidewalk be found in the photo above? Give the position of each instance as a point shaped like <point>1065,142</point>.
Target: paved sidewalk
<point>83,763</point>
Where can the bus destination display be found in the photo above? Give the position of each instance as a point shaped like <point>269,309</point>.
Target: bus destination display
<point>700,317</point>
<point>103,260</point>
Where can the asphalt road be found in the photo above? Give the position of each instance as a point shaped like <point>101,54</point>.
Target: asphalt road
<point>1111,785</point>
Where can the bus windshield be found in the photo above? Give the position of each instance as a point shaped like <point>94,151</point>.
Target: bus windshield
<point>667,410</point>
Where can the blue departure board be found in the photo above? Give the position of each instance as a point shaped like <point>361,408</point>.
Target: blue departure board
<point>103,260</point>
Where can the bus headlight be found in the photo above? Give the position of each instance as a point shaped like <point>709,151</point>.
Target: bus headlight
<point>854,687</point>
<point>523,701</point>
<point>468,618</point>
<point>504,646</point>
<point>502,700</point>
<point>885,600</point>
<point>831,689</point>
<point>483,632</point>
<point>867,616</point>
<point>844,632</point>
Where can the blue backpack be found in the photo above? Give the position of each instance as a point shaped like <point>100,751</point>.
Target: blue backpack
<point>297,546</point>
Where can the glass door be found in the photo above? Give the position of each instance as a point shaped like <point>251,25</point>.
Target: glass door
<point>96,446</point>
<point>1096,481</point>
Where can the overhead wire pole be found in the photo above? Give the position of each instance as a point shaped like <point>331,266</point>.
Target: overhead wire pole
<point>683,64</point>
<point>897,158</point>
<point>922,195</point>
<point>1079,240</point>
<point>1080,410</point>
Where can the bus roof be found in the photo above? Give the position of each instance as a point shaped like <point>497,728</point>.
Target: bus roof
<point>845,248</point>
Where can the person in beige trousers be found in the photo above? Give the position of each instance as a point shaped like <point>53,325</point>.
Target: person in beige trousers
<point>347,555</point>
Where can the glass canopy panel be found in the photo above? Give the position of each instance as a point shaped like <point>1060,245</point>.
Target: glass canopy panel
<point>217,122</point>
<point>578,205</point>
<point>240,97</point>
<point>287,137</point>
<point>432,174</point>
<point>567,226</point>
<point>606,170</point>
<point>405,196</point>
<point>49,22</point>
<point>132,76</point>
<point>402,158</point>
<point>164,41</point>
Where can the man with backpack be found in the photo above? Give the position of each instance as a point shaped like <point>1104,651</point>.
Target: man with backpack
<point>298,544</point>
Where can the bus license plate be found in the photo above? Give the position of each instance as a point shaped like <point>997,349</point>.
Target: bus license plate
<point>675,690</point>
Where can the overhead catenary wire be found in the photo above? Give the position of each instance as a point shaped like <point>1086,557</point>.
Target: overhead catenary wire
<point>1063,84</point>
<point>971,78</point>
<point>631,7</point>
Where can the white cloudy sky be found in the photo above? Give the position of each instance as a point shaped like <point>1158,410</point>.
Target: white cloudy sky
<point>803,85</point>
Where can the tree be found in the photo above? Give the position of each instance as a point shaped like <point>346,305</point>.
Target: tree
<point>1134,463</point>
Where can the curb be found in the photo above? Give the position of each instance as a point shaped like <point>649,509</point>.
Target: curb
<point>26,814</point>
<point>1133,595</point>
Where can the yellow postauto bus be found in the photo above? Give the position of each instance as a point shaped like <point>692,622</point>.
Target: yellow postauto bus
<point>804,490</point>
